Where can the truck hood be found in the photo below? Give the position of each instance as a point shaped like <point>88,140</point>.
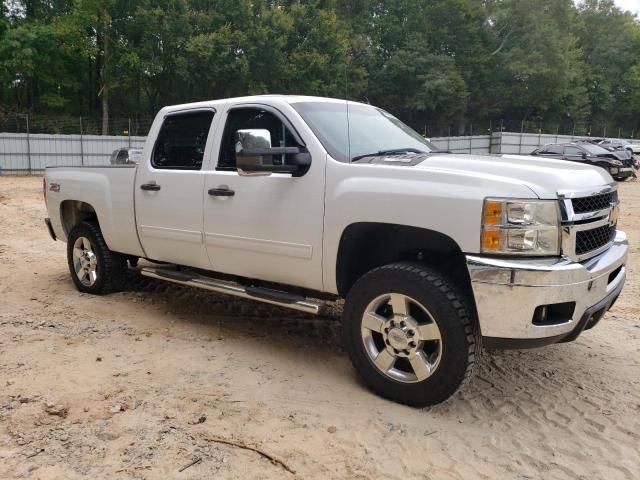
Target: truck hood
<point>545,177</point>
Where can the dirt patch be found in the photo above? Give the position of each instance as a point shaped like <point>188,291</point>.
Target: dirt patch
<point>143,383</point>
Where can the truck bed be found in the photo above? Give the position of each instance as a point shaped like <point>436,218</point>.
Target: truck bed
<point>109,191</point>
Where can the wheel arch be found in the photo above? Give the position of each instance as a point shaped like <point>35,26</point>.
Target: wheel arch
<point>72,212</point>
<point>367,245</point>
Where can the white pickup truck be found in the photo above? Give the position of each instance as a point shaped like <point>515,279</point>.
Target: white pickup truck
<point>296,201</point>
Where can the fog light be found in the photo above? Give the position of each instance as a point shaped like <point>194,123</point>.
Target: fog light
<point>554,314</point>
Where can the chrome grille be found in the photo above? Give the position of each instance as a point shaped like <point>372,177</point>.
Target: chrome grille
<point>588,222</point>
<point>594,203</point>
<point>590,240</point>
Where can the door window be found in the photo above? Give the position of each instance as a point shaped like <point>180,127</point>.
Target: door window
<point>572,152</point>
<point>252,118</point>
<point>182,140</point>
<point>554,150</point>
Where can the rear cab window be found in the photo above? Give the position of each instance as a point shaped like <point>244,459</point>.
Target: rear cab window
<point>182,140</point>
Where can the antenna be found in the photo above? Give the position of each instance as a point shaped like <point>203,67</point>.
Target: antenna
<point>346,82</point>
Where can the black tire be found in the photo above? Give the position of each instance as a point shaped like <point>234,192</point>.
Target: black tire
<point>457,343</point>
<point>111,267</point>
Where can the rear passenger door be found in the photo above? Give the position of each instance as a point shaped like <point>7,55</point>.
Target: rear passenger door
<point>169,189</point>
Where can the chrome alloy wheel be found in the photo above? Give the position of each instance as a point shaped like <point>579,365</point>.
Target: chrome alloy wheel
<point>85,262</point>
<point>401,338</point>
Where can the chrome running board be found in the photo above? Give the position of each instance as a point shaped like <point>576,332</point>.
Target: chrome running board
<point>265,295</point>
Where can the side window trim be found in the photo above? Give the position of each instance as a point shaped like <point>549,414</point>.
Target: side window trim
<point>177,113</point>
<point>186,111</point>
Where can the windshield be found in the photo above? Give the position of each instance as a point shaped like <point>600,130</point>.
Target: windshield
<point>368,130</point>
<point>595,149</point>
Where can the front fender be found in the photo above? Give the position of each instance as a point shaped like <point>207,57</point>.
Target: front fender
<point>441,201</point>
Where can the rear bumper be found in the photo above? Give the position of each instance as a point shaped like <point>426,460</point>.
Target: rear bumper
<point>511,294</point>
<point>47,221</point>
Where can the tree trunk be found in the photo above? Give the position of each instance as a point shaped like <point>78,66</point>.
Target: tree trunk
<point>105,109</point>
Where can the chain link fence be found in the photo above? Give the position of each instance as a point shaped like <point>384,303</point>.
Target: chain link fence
<point>539,127</point>
<point>29,143</point>
<point>139,126</point>
<point>71,125</point>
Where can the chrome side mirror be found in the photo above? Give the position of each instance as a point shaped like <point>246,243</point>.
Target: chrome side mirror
<point>250,147</point>
<point>254,155</point>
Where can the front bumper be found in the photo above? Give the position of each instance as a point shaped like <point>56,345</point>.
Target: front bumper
<point>622,172</point>
<point>509,292</point>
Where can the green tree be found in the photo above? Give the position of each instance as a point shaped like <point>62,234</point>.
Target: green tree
<point>32,70</point>
<point>537,60</point>
<point>431,62</point>
<point>611,46</point>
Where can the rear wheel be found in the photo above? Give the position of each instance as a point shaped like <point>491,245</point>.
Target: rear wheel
<point>409,334</point>
<point>93,267</point>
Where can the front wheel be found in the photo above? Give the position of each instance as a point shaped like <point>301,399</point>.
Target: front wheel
<point>93,267</point>
<point>409,334</point>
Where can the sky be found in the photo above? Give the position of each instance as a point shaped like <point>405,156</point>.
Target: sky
<point>632,5</point>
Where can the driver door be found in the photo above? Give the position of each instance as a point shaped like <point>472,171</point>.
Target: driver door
<point>266,227</point>
<point>574,154</point>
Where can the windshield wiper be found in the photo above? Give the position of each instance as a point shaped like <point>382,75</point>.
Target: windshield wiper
<point>381,153</point>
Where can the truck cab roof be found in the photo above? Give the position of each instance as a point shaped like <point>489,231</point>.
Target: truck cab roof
<point>271,98</point>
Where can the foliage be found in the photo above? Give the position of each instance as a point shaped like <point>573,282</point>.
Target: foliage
<point>430,62</point>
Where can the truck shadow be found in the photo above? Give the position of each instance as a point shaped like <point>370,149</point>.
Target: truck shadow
<point>552,373</point>
<point>244,315</point>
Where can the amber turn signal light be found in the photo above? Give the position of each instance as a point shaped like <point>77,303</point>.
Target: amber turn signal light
<point>492,214</point>
<point>491,240</point>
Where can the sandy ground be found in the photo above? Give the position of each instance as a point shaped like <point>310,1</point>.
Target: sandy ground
<point>140,383</point>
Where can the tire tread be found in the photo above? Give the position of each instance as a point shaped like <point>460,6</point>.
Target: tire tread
<point>429,276</point>
<point>113,264</point>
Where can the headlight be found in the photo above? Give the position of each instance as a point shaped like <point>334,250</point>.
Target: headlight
<point>617,163</point>
<point>520,227</point>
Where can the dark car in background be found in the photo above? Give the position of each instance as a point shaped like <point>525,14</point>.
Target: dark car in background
<point>607,144</point>
<point>618,164</point>
<point>126,156</point>
<point>632,148</point>
<point>613,145</point>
